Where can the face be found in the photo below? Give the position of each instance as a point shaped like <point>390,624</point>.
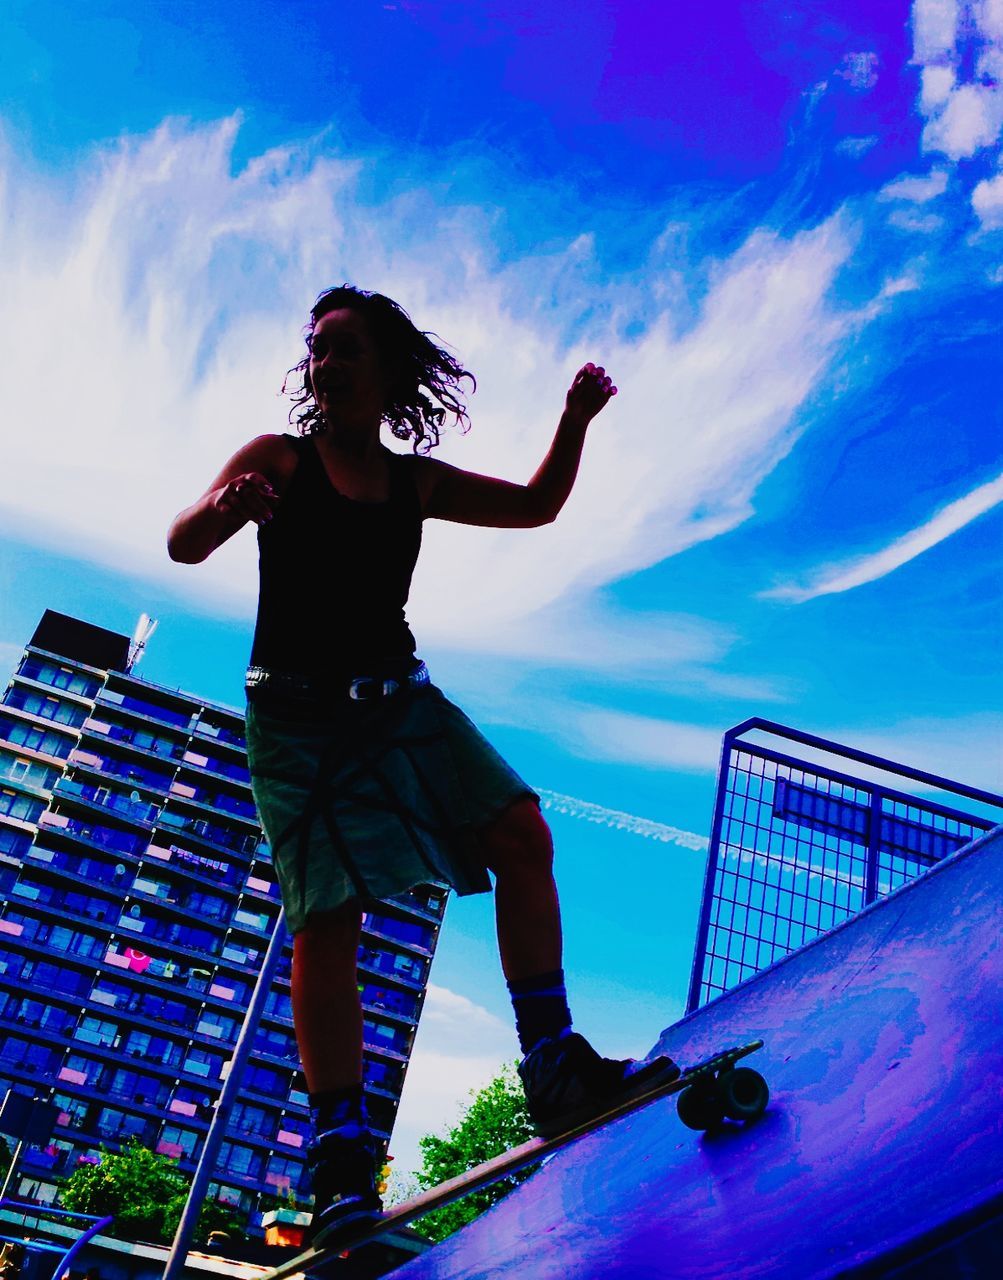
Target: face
<point>344,367</point>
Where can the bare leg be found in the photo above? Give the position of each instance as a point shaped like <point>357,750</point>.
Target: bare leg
<point>327,1012</point>
<point>519,850</point>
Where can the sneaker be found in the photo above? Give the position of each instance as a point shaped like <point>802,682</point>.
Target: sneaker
<point>567,1083</point>
<point>342,1164</point>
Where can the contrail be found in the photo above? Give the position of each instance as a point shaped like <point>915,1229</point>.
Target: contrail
<point>620,821</point>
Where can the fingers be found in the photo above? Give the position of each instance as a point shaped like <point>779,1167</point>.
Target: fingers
<point>249,496</point>
<point>598,377</point>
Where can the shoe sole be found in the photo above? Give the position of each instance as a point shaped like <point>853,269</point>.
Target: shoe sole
<point>644,1081</point>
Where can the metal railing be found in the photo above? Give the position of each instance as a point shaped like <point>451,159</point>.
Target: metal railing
<point>799,844</point>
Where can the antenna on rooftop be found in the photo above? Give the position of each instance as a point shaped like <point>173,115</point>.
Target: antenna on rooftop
<point>145,628</point>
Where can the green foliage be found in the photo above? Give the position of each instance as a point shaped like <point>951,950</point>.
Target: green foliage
<point>495,1121</point>
<point>146,1192</point>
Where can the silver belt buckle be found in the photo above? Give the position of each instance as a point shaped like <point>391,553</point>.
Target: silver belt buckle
<point>357,689</point>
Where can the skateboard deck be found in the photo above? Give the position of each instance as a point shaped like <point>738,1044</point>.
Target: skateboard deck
<point>709,1092</point>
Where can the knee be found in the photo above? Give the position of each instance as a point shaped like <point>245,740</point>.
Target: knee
<point>519,841</point>
<point>329,938</point>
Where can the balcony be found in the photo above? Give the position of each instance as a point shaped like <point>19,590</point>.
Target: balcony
<point>133,808</point>
<point>137,740</point>
<point>56,675</point>
<point>180,721</point>
<point>198,798</point>
<point>383,964</point>
<point>108,767</point>
<point>209,833</point>
<point>67,702</point>
<point>92,835</point>
<point>38,721</point>
<point>70,868</point>
<point>216,873</point>
<point>414,904</point>
<point>399,934</point>
<point>220,734</point>
<point>259,924</point>
<point>152,973</point>
<point>207,766</point>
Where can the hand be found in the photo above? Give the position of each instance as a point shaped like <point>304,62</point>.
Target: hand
<point>249,496</point>
<point>589,393</point>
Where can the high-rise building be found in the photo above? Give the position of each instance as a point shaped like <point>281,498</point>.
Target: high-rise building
<point>806,833</point>
<point>138,902</point>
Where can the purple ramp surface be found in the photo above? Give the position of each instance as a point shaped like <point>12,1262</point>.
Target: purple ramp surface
<point>884,1056</point>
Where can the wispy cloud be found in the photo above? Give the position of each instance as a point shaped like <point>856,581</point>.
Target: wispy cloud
<point>645,827</point>
<point>182,284</point>
<point>916,187</point>
<point>848,574</point>
<point>602,734</point>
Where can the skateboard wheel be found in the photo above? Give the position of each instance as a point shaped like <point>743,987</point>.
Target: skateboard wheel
<point>743,1094</point>
<point>699,1109</point>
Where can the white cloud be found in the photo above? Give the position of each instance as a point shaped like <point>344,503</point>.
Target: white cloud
<point>182,287</point>
<point>459,1047</point>
<point>10,656</point>
<point>857,147</point>
<point>989,17</point>
<point>918,188</point>
<point>936,84</point>
<point>966,749</point>
<point>911,220</point>
<point>869,568</point>
<point>987,201</point>
<point>970,120</point>
<point>646,740</point>
<point>934,26</point>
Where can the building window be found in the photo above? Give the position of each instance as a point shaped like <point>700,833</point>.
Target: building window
<point>13,842</point>
<point>15,804</point>
<point>175,1141</point>
<point>253,1121</point>
<point>30,736</point>
<point>200,1062</point>
<point>95,1031</point>
<point>240,1162</point>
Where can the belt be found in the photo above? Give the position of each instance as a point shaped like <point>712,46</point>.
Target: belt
<point>357,688</point>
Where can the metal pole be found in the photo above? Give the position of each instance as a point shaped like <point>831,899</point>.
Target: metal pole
<point>62,1270</point>
<point>228,1095</point>
<point>700,951</point>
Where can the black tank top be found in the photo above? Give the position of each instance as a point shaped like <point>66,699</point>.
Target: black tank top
<point>335,574</point>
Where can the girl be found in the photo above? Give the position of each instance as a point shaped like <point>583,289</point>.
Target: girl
<point>367,779</point>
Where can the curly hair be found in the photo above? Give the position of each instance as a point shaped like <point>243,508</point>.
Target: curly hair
<point>423,380</point>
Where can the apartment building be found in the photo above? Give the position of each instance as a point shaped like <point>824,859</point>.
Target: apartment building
<point>137,904</point>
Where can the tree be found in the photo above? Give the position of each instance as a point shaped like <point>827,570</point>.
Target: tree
<point>495,1121</point>
<point>146,1192</point>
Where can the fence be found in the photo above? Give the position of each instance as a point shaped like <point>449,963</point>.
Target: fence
<point>798,845</point>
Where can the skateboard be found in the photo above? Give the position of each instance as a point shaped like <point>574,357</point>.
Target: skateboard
<point>709,1093</point>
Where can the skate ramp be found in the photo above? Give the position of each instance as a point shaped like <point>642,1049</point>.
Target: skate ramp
<point>882,1145</point>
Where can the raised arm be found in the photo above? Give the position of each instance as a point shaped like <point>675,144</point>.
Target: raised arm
<point>244,490</point>
<point>449,493</point>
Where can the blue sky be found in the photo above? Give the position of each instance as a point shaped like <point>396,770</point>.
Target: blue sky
<point>781,229</point>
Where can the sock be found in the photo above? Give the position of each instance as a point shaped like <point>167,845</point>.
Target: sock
<point>541,1007</point>
<point>338,1109</point>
